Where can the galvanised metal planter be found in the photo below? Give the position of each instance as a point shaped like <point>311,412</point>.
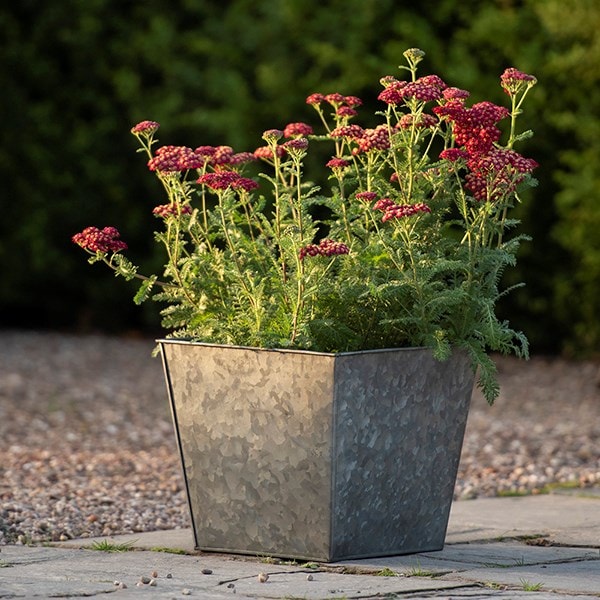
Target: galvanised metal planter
<point>317,456</point>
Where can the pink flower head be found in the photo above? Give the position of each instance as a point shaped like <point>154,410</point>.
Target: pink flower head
<point>348,131</point>
<point>486,114</point>
<point>374,140</point>
<point>338,163</point>
<point>325,247</point>
<point>346,111</point>
<point>474,128</point>
<point>272,135</point>
<point>497,173</point>
<point>453,93</point>
<point>175,210</point>
<point>424,89</point>
<point>315,99</point>
<point>453,154</point>
<point>240,158</point>
<point>222,180</point>
<point>205,150</point>
<point>391,95</point>
<point>222,156</point>
<point>432,80</point>
<point>390,80</point>
<point>100,240</point>
<point>352,101</point>
<point>145,127</point>
<point>267,152</point>
<point>366,196</point>
<point>295,145</point>
<point>176,158</point>
<point>391,210</point>
<point>335,99</point>
<point>297,130</point>
<point>423,121</point>
<point>513,80</point>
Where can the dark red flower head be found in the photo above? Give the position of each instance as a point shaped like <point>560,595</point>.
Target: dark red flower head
<point>100,240</point>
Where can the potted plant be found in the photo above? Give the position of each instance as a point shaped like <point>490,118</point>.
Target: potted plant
<point>324,336</point>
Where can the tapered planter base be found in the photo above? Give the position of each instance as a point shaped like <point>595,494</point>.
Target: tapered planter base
<point>317,456</point>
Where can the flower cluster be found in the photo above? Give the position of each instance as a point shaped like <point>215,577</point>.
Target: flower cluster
<point>410,211</point>
<point>171,210</point>
<point>497,174</point>
<point>222,180</point>
<point>297,130</point>
<point>100,240</point>
<point>325,247</point>
<point>373,140</point>
<point>170,159</point>
<point>475,127</point>
<point>391,210</point>
<point>514,81</point>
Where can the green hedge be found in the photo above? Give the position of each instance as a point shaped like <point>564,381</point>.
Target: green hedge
<point>75,75</point>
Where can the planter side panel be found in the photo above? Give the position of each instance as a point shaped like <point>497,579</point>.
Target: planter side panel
<point>399,424</point>
<point>254,431</point>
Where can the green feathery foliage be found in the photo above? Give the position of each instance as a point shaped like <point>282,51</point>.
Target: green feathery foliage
<point>404,244</point>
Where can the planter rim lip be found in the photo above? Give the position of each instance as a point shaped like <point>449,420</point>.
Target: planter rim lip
<point>188,342</point>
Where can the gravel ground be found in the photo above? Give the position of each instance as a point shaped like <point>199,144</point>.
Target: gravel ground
<point>87,447</point>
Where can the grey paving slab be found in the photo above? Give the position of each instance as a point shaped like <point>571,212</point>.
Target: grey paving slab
<point>574,577</point>
<point>486,557</point>
<point>463,557</point>
<point>62,572</point>
<point>564,519</point>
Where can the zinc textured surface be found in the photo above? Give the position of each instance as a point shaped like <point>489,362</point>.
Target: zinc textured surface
<point>318,456</point>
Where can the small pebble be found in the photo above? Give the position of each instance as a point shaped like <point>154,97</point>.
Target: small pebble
<point>263,577</point>
<point>206,571</point>
<point>231,585</point>
<point>152,582</point>
<point>145,580</point>
<point>309,577</point>
<point>169,576</point>
<point>186,592</point>
<point>154,574</point>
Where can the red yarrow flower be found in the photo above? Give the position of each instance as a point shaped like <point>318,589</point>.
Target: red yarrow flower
<point>474,128</point>
<point>422,121</point>
<point>168,210</point>
<point>338,163</point>
<point>222,180</point>
<point>377,139</point>
<point>346,112</point>
<point>176,159</point>
<point>453,154</point>
<point>335,99</point>
<point>145,127</point>
<point>513,80</point>
<point>100,240</point>
<point>292,130</point>
<point>454,93</point>
<point>497,173</point>
<point>348,131</point>
<point>423,89</point>
<point>325,247</point>
<point>267,152</point>
<point>295,145</point>
<point>391,210</point>
<point>315,99</point>
<point>366,196</point>
<point>272,135</point>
